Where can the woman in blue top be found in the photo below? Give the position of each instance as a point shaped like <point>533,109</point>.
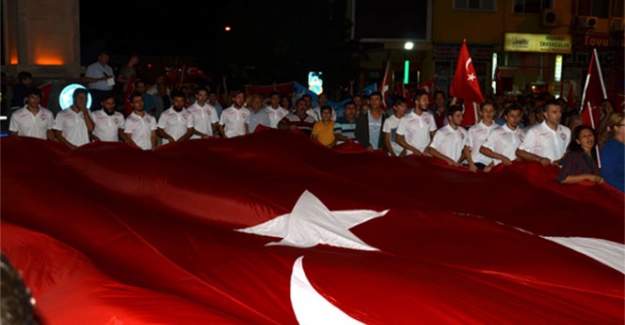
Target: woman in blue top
<point>580,163</point>
<point>613,152</point>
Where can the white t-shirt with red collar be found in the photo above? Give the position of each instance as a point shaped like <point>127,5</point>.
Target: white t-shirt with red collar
<point>203,118</point>
<point>176,124</point>
<point>140,128</point>
<point>72,126</point>
<point>27,124</point>
<point>416,129</point>
<point>107,126</point>
<point>234,121</point>
<point>450,142</point>
<point>542,141</point>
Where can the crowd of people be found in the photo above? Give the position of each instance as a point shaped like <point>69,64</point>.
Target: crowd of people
<point>532,128</point>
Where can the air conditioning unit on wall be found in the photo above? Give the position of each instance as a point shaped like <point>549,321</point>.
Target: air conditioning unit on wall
<point>617,24</point>
<point>587,22</point>
<point>550,18</point>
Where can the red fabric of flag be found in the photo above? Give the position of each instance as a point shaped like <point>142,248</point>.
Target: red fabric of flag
<point>465,85</point>
<point>45,93</point>
<point>191,72</point>
<point>123,245</point>
<point>594,93</point>
<point>266,90</point>
<point>429,88</point>
<point>129,90</point>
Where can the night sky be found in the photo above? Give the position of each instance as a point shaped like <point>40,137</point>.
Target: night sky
<point>270,40</point>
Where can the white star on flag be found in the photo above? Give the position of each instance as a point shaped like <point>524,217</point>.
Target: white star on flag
<point>311,223</point>
<point>471,77</point>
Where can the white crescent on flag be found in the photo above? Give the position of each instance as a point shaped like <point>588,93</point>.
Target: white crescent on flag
<point>309,306</point>
<point>466,65</point>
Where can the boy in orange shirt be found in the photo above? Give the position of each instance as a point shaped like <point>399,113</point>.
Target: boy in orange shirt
<point>323,131</point>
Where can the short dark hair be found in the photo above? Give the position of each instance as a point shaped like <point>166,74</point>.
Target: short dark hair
<point>487,102</point>
<point>107,95</point>
<point>79,91</point>
<point>136,94</point>
<point>453,109</point>
<point>34,91</point>
<point>274,93</point>
<point>511,108</point>
<point>177,93</point>
<point>375,93</point>
<point>24,75</point>
<point>418,94</point>
<point>399,100</point>
<point>552,102</point>
<point>325,108</point>
<point>350,103</point>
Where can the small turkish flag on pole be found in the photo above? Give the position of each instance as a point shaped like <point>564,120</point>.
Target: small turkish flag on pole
<point>594,93</point>
<point>385,86</point>
<point>466,86</point>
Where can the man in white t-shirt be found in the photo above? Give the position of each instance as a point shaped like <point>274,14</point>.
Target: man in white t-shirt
<point>140,127</point>
<point>415,130</point>
<point>449,141</point>
<point>108,122</point>
<point>503,141</point>
<point>275,111</point>
<point>204,116</point>
<point>176,123</point>
<point>233,122</point>
<point>32,120</point>
<point>100,78</point>
<point>477,135</point>
<point>390,128</point>
<point>547,141</point>
<point>73,124</point>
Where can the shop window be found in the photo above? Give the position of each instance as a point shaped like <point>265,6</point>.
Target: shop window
<point>481,5</point>
<point>531,6</point>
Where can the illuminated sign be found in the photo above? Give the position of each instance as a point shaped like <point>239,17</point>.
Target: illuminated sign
<point>315,82</point>
<point>542,43</point>
<point>65,98</point>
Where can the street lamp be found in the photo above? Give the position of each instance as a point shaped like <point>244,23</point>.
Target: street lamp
<point>407,46</point>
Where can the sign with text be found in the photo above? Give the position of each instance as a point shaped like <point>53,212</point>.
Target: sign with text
<point>542,43</point>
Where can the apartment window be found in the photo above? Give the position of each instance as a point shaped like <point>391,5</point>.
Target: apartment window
<point>531,6</point>
<point>598,8</point>
<point>482,5</point>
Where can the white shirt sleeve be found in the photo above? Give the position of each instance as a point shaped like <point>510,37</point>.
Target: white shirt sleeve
<point>162,121</point>
<point>436,142</point>
<point>529,141</point>
<point>401,128</point>
<point>152,124</point>
<point>386,128</point>
<point>213,118</point>
<point>432,124</point>
<point>490,141</point>
<point>58,122</point>
<point>13,127</point>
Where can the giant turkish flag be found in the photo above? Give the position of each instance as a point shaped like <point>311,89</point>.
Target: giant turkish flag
<point>272,228</point>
